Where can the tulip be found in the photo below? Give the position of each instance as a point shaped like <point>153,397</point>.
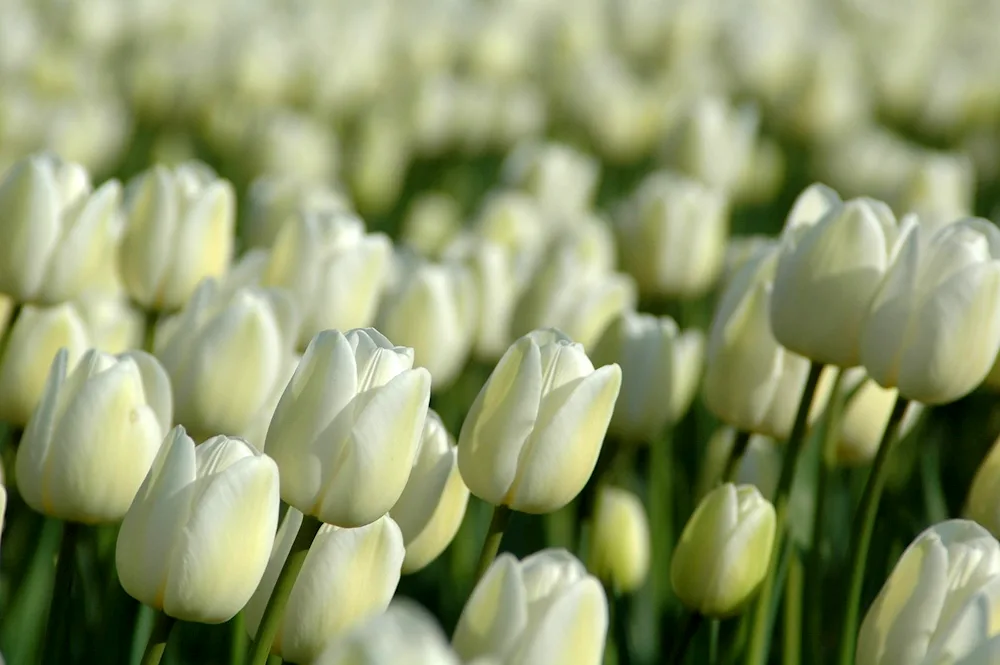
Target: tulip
<point>621,545</point>
<point>760,464</point>
<point>724,551</point>
<point>432,221</point>
<point>405,632</point>
<point>180,230</point>
<point>940,602</point>
<point>275,201</point>
<point>533,434</point>
<point>716,143</point>
<point>751,382</point>
<point>864,420</point>
<point>433,309</point>
<point>933,331</point>
<point>432,505</point>
<point>196,539</point>
<point>55,229</point>
<point>347,427</point>
<point>94,435</point>
<point>544,609</point>
<point>940,189</point>
<point>673,236</point>
<point>659,373</point>
<point>334,270</point>
<point>828,272</point>
<point>33,341</point>
<point>227,357</point>
<point>562,179</point>
<point>348,577</point>
<point>514,221</point>
<point>113,324</point>
<point>381,158</point>
<point>982,503</point>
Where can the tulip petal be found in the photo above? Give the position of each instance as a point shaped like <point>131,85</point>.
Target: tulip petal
<point>37,438</point>
<point>155,386</point>
<point>496,613</point>
<point>29,224</point>
<point>572,631</point>
<point>147,247</point>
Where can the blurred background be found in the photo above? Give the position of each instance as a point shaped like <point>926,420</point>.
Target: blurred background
<point>420,114</point>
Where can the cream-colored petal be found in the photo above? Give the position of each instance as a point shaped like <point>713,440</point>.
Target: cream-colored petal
<point>496,614</point>
<point>573,630</point>
<point>36,442</point>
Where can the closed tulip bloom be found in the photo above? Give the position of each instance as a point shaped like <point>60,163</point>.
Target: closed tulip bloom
<point>864,419</point>
<point>689,366</point>
<point>275,200</point>
<point>226,356</point>
<point>534,432</point>
<point>621,547</point>
<point>113,324</point>
<point>828,272</point>
<point>196,540</point>
<point>433,503</point>
<point>496,292</point>
<point>347,427</point>
<point>940,602</point>
<point>940,189</point>
<point>348,577</point>
<point>433,309</point>
<point>542,610</point>
<point>514,221</point>
<point>180,229</point>
<point>724,551</point>
<point>35,337</point>
<point>672,235</point>
<point>934,327</point>
<point>334,270</point>
<point>562,179</point>
<point>404,633</point>
<point>55,229</point>
<point>716,144</point>
<point>94,435</point>
<point>432,221</point>
<point>983,501</point>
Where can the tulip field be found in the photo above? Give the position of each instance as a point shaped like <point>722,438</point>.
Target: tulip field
<point>534,332</point>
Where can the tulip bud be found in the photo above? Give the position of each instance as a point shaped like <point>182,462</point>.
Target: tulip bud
<point>496,284</point>
<point>180,230</point>
<point>828,272</point>
<point>514,221</point>
<point>724,551</point>
<point>717,142</point>
<point>55,229</point>
<point>621,547</point>
<point>226,356</point>
<point>196,539</point>
<point>562,179</point>
<point>865,416</point>
<point>933,329</point>
<point>432,504</point>
<point>760,464</point>
<point>348,577</point>
<point>940,189</point>
<point>433,309</point>
<point>751,382</point>
<point>382,155</point>
<point>533,435</point>
<point>673,236</point>
<point>333,269</point>
<point>939,603</point>
<point>347,427</point>
<point>113,324</point>
<point>542,610</point>
<point>34,339</point>
<point>432,220</point>
<point>659,373</point>
<point>274,201</point>
<point>93,436</point>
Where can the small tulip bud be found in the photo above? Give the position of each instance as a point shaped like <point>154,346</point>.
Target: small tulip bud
<point>939,601</point>
<point>514,221</point>
<point>863,421</point>
<point>94,435</point>
<point>347,427</point>
<point>275,201</point>
<point>180,230</point>
<point>940,189</point>
<point>543,610</point>
<point>382,155</point>
<point>433,503</point>
<point>829,268</point>
<point>621,551</point>
<point>672,234</point>
<point>35,338</point>
<point>431,222</point>
<point>933,329</point>
<point>195,541</point>
<point>562,179</point>
<point>348,577</point>
<point>724,551</point>
<point>55,230</point>
<point>716,143</point>
<point>533,435</point>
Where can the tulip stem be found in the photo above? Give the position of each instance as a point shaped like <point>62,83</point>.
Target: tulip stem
<point>238,645</point>
<point>157,643</point>
<point>864,520</point>
<point>688,630</point>
<point>499,521</point>
<point>761,632</point>
<point>620,624</point>
<point>268,628</point>
<point>61,593</point>
<point>12,316</point>
<point>152,318</point>
<point>791,653</point>
<point>735,455</point>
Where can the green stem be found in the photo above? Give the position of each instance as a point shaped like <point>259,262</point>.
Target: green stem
<point>791,654</point>
<point>157,643</point>
<point>499,521</point>
<point>620,624</point>
<point>62,591</point>
<point>661,517</point>
<point>864,523</point>
<point>713,641</point>
<point>275,608</point>
<point>15,313</point>
<point>239,639</point>
<point>761,632</point>
<point>149,340</point>
<point>740,444</point>
<point>688,631</point>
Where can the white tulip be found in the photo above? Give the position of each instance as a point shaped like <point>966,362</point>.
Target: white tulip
<point>275,200</point>
<point>562,179</point>
<point>514,221</point>
<point>113,324</point>
<point>348,576</point>
<point>717,142</point>
<point>196,540</point>
<point>347,427</point>
<point>432,220</point>
<point>940,189</point>
<point>621,542</point>
<point>865,416</point>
